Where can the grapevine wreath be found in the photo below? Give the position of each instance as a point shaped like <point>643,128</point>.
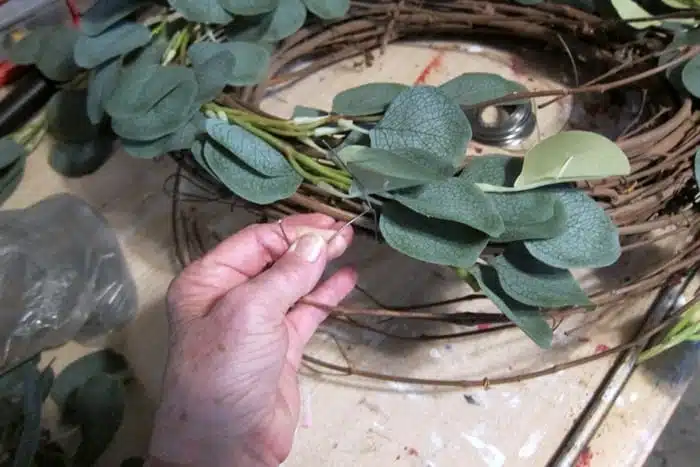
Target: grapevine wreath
<point>186,78</point>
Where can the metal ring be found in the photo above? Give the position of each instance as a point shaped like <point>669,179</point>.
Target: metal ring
<point>518,125</point>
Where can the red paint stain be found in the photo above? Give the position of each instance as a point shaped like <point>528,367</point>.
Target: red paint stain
<point>483,327</point>
<point>432,66</point>
<point>74,12</point>
<point>585,458</point>
<point>412,452</point>
<point>601,348</point>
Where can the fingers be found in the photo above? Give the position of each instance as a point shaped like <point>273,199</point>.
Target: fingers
<point>305,319</point>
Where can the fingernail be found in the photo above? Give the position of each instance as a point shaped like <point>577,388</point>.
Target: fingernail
<point>309,247</point>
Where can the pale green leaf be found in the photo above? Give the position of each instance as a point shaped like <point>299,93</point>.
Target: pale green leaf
<point>202,11</point>
<point>470,89</point>
<point>424,118</point>
<point>527,318</point>
<point>590,239</point>
<point>457,200</point>
<point>328,9</point>
<point>249,148</point>
<point>367,99</point>
<point>105,13</point>
<point>198,155</point>
<point>213,74</point>
<point>246,182</point>
<point>251,60</point>
<point>10,152</point>
<point>56,58</point>
<point>118,40</point>
<point>67,119</point>
<point>285,20</point>
<point>570,156</point>
<point>249,7</point>
<point>431,240</point>
<point>28,49</point>
<point>679,4</point>
<point>31,424</point>
<point>80,159</point>
<point>629,9</point>
<point>691,76</point>
<point>534,283</point>
<point>103,81</point>
<point>696,164</point>
<point>302,111</point>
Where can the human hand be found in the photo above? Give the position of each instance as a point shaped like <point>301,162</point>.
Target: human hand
<point>237,334</point>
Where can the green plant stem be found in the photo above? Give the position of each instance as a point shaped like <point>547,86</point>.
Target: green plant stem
<point>31,134</point>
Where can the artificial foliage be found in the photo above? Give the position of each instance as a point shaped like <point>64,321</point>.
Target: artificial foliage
<point>159,80</point>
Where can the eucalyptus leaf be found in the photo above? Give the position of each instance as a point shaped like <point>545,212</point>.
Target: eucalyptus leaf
<point>691,76</point>
<point>367,99</point>
<point>103,81</point>
<point>249,7</point>
<point>31,425</point>
<point>590,239</point>
<point>431,240</point>
<point>80,159</point>
<point>213,74</point>
<point>198,155</point>
<point>469,89</point>
<point>66,116</point>
<point>202,11</point>
<point>328,9</point>
<point>696,164</point>
<point>118,40</point>
<point>255,152</point>
<point>457,200</point>
<point>307,112</point>
<point>97,406</point>
<point>527,318</point>
<point>629,9</point>
<point>534,283</point>
<point>183,138</point>
<point>28,49</point>
<point>105,13</point>
<point>55,60</point>
<point>77,373</point>
<point>251,60</point>
<point>424,118</point>
<point>10,152</point>
<point>285,20</point>
<point>245,181</point>
<point>10,177</point>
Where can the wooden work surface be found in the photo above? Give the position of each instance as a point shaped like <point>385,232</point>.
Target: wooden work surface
<point>347,421</point>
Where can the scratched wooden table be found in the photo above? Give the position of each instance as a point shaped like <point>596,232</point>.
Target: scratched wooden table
<point>348,421</point>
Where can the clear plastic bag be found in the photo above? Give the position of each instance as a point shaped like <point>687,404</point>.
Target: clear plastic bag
<point>62,277</point>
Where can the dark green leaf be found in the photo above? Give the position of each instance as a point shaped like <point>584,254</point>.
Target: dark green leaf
<point>66,116</point>
<point>81,370</point>
<point>367,99</point>
<point>308,112</point>
<point>424,118</point>
<point>181,139</point>
<point>285,20</point>
<point>105,13</point>
<point>472,88</point>
<point>534,283</point>
<point>456,200</point>
<point>10,152</point>
<point>102,83</point>
<point>251,60</point>
<point>249,7</point>
<point>118,40</point>
<point>379,170</point>
<point>31,426</point>
<point>56,58</point>
<point>691,76</point>
<point>328,9</point>
<point>46,380</point>
<point>430,240</point>
<point>628,9</point>
<point>97,406</point>
<point>202,11</point>
<point>28,49</point>
<point>696,163</point>
<point>246,182</point>
<point>10,177</point>
<point>527,318</point>
<point>80,159</point>
<point>12,378</point>
<point>198,155</point>
<point>590,239</point>
<point>212,70</point>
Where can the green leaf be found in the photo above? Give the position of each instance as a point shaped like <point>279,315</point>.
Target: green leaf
<point>77,373</point>
<point>696,164</point>
<point>534,283</point>
<point>379,170</point>
<point>590,239</point>
<point>28,49</point>
<point>183,138</point>
<point>328,9</point>
<point>198,155</point>
<point>80,159</point>
<point>469,89</point>
<point>309,112</point>
<point>527,318</point>
<point>10,152</point>
<point>424,118</point>
<point>245,181</point>
<point>46,379</point>
<point>31,426</point>
<point>10,177</point>
<point>142,87</point>
<point>97,406</point>
<point>105,13</point>
<point>285,20</point>
<point>527,215</point>
<point>691,76</point>
<point>430,240</point>
<point>202,11</point>
<point>628,9</point>
<point>213,74</point>
<point>66,116</point>
<point>252,150</point>
<point>570,156</point>
<point>118,40</point>
<point>55,60</point>
<point>456,200</point>
<point>103,81</point>
<point>249,7</point>
<point>251,60</point>
<point>367,99</point>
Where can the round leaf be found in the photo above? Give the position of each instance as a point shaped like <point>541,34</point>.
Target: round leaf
<point>367,99</point>
<point>31,425</point>
<point>10,177</point>
<point>424,118</point>
<point>285,20</point>
<point>629,9</point>
<point>118,40</point>
<point>66,114</point>
<point>251,60</point>
<point>691,76</point>
<point>80,159</point>
<point>213,74</point>
<point>469,89</point>
<point>56,58</point>
<point>431,240</point>
<point>10,152</point>
<point>590,239</point>
<point>103,81</point>
<point>105,13</point>
<point>249,7</point>
<point>27,50</point>
<point>696,164</point>
<point>328,9</point>
<point>202,11</point>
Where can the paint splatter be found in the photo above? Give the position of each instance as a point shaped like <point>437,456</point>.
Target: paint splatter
<point>601,348</point>
<point>471,400</point>
<point>435,353</point>
<point>490,454</point>
<point>531,444</point>
<point>411,451</point>
<point>432,66</point>
<point>483,327</point>
<point>585,458</point>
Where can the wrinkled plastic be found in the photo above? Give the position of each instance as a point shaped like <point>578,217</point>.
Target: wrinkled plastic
<point>62,277</point>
